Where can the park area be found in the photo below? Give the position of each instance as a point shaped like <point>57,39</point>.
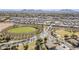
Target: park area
<point>22,30</point>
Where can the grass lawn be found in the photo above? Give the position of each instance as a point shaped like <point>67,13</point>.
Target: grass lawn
<point>22,30</point>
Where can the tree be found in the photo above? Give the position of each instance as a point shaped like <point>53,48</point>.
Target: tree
<point>2,39</point>
<point>14,48</point>
<point>26,47</point>
<point>45,41</point>
<point>66,37</point>
<point>7,38</point>
<point>74,37</point>
<point>39,43</point>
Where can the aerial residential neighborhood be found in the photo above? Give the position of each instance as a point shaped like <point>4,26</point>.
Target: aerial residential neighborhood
<point>39,29</point>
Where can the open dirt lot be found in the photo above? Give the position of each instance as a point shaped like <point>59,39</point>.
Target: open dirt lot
<point>4,25</point>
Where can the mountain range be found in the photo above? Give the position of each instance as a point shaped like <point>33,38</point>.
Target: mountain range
<point>42,10</point>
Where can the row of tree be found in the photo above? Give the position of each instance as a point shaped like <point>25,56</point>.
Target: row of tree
<point>24,14</point>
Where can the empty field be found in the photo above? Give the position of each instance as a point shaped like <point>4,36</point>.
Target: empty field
<point>5,25</point>
<point>63,32</point>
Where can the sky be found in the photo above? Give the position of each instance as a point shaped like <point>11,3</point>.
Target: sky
<point>39,4</point>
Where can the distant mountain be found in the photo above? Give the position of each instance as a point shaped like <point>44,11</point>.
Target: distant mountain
<point>52,11</point>
<point>41,10</point>
<point>35,10</point>
<point>68,11</point>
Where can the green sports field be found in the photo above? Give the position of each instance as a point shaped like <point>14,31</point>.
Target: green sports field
<point>22,30</point>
